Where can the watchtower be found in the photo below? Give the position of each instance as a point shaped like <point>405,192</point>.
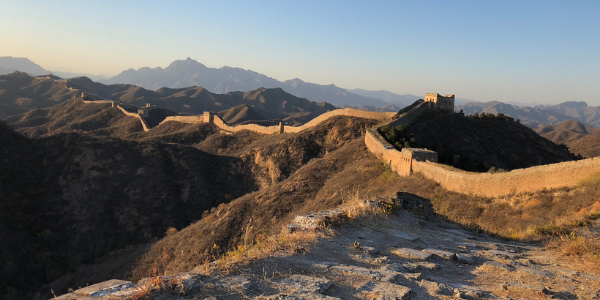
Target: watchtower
<point>442,102</point>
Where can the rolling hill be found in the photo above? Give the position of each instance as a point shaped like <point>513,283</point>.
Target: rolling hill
<point>20,92</point>
<point>579,138</point>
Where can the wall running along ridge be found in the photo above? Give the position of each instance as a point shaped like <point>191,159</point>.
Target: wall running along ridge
<point>351,112</point>
<point>207,118</point>
<point>565,174</point>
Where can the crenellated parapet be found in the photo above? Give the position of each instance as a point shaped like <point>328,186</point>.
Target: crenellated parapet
<point>436,100</point>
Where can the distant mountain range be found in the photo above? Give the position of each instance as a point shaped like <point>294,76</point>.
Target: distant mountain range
<point>10,64</point>
<point>21,92</point>
<point>185,73</point>
<point>540,115</point>
<point>154,83</point>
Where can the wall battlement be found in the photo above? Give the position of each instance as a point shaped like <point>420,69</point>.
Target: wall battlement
<point>442,102</point>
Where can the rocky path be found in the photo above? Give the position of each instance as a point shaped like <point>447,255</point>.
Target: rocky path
<point>402,256</point>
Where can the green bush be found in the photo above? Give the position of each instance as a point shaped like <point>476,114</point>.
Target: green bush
<point>398,136</point>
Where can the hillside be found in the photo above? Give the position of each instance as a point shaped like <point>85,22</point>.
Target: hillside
<point>270,103</point>
<point>580,138</point>
<point>240,114</point>
<point>100,194</point>
<point>567,130</point>
<point>586,146</point>
<point>20,92</point>
<point>185,73</point>
<point>75,116</point>
<point>478,144</point>
<point>97,195</point>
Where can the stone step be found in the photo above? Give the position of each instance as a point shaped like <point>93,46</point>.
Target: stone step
<point>385,290</point>
<point>411,253</point>
<point>465,259</point>
<point>305,284</point>
<point>441,253</point>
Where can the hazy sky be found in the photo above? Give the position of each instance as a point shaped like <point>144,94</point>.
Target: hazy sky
<point>524,51</point>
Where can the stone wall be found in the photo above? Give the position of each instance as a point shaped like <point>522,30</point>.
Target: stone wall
<point>185,119</point>
<point>135,115</point>
<point>351,112</point>
<point>252,127</point>
<point>384,150</point>
<point>99,102</point>
<point>565,174</point>
<point>205,118</point>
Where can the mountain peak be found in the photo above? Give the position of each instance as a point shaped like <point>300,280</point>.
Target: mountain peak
<point>188,62</point>
<point>9,64</point>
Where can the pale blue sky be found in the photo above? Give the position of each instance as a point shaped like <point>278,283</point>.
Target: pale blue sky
<point>525,51</point>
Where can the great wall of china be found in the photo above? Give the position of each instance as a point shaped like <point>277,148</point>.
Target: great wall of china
<point>212,118</point>
<point>566,174</point>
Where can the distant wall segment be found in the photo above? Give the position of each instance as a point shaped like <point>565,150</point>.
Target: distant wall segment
<point>208,117</point>
<point>212,118</point>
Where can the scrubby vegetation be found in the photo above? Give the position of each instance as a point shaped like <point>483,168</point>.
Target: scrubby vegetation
<point>398,136</point>
<point>479,142</point>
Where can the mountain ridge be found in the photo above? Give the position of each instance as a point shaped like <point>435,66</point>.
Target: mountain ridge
<point>226,79</point>
<point>20,92</point>
<point>539,115</point>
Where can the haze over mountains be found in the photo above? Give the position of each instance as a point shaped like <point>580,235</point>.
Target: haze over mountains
<point>189,73</point>
<point>10,64</point>
<point>540,115</point>
<point>184,73</point>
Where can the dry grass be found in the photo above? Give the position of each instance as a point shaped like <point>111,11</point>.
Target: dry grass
<point>583,249</point>
<point>281,244</point>
<point>525,217</point>
<point>355,209</point>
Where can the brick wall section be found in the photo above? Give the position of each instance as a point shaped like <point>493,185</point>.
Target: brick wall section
<point>185,119</point>
<point>252,127</point>
<point>565,174</point>
<point>351,112</point>
<point>135,115</point>
<point>384,150</point>
<point>280,128</point>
